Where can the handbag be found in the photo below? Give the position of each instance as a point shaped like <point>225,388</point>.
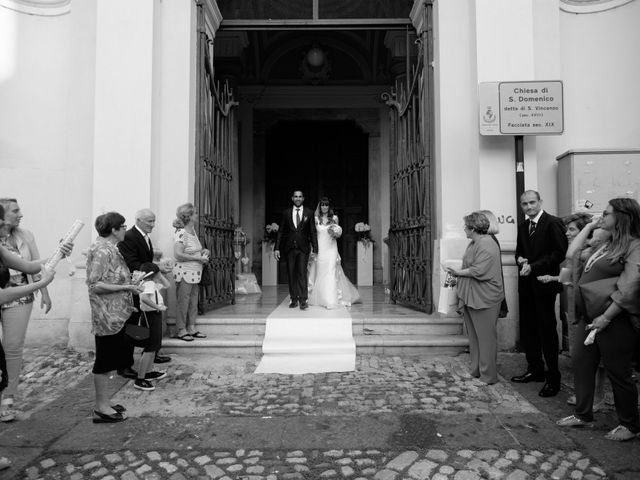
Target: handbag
<point>596,296</point>
<point>205,276</point>
<point>137,331</point>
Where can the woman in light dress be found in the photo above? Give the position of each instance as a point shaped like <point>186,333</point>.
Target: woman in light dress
<point>187,272</point>
<point>328,285</point>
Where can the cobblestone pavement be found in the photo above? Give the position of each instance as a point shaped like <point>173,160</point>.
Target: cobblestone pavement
<point>46,374</point>
<point>331,464</point>
<point>221,391</point>
<point>379,385</point>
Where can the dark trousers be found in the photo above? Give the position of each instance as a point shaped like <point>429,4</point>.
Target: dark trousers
<point>538,334</point>
<point>616,346</point>
<point>297,274</point>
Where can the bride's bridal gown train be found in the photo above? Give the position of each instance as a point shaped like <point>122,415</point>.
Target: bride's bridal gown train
<point>328,285</point>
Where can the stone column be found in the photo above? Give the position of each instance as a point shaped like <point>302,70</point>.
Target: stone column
<point>123,106</point>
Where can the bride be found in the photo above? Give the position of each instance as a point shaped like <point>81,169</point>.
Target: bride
<point>328,285</point>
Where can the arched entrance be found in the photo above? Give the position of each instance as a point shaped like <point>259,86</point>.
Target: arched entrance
<point>321,158</point>
<point>272,64</point>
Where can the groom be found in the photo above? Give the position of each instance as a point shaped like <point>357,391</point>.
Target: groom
<point>296,237</point>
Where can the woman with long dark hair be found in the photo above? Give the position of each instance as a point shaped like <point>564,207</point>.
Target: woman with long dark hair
<point>613,311</point>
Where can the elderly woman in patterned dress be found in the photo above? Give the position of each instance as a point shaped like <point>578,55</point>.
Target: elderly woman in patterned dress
<point>111,300</point>
<point>190,256</point>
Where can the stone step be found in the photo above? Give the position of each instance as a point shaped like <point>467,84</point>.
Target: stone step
<point>251,345</point>
<point>423,326</point>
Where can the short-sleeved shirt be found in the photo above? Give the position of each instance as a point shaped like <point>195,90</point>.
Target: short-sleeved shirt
<point>190,272</point>
<point>152,292</point>
<point>109,311</point>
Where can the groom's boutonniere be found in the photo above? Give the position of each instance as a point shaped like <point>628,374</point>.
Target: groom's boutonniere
<point>304,219</point>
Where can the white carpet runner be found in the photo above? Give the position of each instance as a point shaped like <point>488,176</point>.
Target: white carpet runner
<point>314,340</point>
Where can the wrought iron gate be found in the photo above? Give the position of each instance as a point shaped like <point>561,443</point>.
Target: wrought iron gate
<point>410,238</point>
<point>216,161</point>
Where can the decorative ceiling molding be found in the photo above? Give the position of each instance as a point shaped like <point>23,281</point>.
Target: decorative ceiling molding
<point>590,6</point>
<point>45,8</point>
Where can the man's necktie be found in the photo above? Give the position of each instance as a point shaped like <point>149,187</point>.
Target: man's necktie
<point>532,227</point>
<point>297,217</point>
<point>148,242</point>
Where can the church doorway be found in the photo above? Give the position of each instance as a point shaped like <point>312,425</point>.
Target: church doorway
<point>321,158</point>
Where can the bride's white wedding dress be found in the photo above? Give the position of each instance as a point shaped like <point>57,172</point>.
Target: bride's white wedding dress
<point>328,285</point>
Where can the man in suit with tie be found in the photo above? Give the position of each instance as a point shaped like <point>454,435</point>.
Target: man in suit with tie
<point>136,249</point>
<point>296,238</point>
<point>541,247</point>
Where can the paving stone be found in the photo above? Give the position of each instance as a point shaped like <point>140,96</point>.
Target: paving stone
<point>466,475</point>
<point>582,464</point>
<point>386,475</point>
<point>213,471</point>
<point>296,460</point>
<point>421,470</point>
<point>518,475</point>
<point>168,467</point>
<point>487,455</point>
<point>143,469</point>
<point>113,458</point>
<point>154,456</point>
<point>512,455</point>
<point>439,456</point>
<point>92,465</point>
<point>402,461</point>
<point>333,453</point>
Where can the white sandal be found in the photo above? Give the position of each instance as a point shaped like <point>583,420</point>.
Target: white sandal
<point>6,412</point>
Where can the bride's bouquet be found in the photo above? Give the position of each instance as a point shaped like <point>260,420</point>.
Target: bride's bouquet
<point>335,230</point>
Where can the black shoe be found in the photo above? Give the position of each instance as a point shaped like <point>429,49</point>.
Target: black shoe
<point>128,373</point>
<point>549,390</point>
<point>99,417</point>
<point>142,384</point>
<point>528,377</point>
<point>161,359</point>
<point>118,408</point>
<point>293,304</point>
<point>157,375</point>
<point>303,305</point>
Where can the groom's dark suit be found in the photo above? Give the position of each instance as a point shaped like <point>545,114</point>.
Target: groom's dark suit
<point>295,244</point>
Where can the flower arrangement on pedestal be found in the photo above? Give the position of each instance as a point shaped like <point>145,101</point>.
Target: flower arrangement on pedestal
<point>364,233</point>
<point>270,233</point>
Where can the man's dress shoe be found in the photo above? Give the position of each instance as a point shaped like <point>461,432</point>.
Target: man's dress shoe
<point>161,359</point>
<point>303,305</point>
<point>293,304</point>
<point>527,377</point>
<point>549,390</point>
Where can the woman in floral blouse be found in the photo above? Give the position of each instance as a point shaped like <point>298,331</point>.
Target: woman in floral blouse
<point>110,297</point>
<point>190,256</point>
